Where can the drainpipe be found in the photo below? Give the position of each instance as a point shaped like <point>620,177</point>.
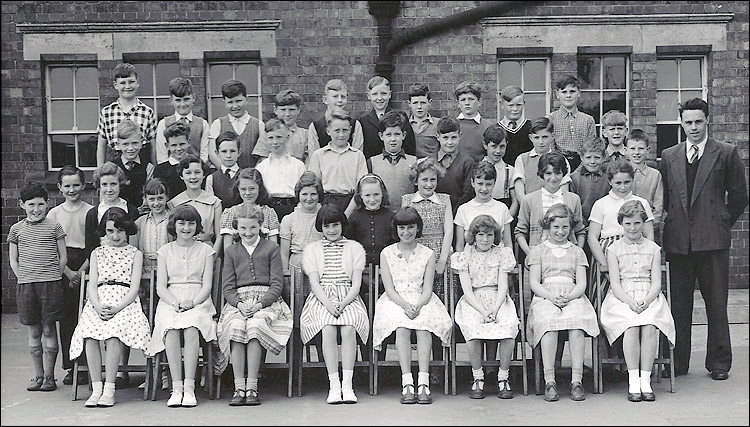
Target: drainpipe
<point>384,12</point>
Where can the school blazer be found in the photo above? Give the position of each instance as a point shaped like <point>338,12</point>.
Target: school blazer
<point>719,197</point>
<point>373,145</point>
<point>262,268</point>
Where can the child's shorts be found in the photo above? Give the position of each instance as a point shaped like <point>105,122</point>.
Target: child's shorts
<point>39,302</point>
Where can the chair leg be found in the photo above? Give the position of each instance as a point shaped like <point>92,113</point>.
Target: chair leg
<point>538,369</point>
<point>157,376</point>
<point>210,378</point>
<point>75,380</point>
<point>148,377</point>
<point>671,370</point>
<point>446,363</point>
<point>524,368</point>
<point>290,368</point>
<point>597,365</point>
<point>375,355</point>
<point>300,363</point>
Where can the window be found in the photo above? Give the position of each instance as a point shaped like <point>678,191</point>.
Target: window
<point>677,80</point>
<point>219,72</point>
<point>604,85</point>
<point>72,114</point>
<point>154,80</point>
<point>531,75</point>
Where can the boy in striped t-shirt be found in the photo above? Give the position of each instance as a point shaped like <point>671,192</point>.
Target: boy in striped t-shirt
<point>38,258</point>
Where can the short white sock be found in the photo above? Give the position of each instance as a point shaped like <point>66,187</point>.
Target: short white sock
<point>97,386</point>
<point>576,375</point>
<point>334,382</point>
<point>190,385</point>
<point>502,374</point>
<point>423,378</point>
<point>646,382</point>
<point>346,378</point>
<point>478,374</point>
<point>239,384</point>
<point>109,389</point>
<point>634,383</point>
<point>549,375</point>
<point>252,384</point>
<point>177,386</point>
<point>407,379</point>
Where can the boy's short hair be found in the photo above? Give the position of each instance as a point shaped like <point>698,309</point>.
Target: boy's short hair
<point>393,119</point>
<point>694,104</point>
<point>559,210</point>
<point>187,160</point>
<point>619,166</point>
<point>595,145</point>
<point>468,86</point>
<point>185,213</point>
<point>330,214</point>
<point>232,88</point>
<point>180,87</point>
<point>425,164</point>
<point>406,216</point>
<point>371,178</point>
<point>510,92</point>
<point>484,170</point>
<point>541,123</point>
<point>121,221</point>
<point>637,135</point>
<point>554,159</point>
<point>274,124</point>
<point>495,134</point>
<point>32,190</point>
<point>308,179</point>
<point>255,176</point>
<point>228,135</point>
<point>335,84</point>
<point>419,89</point>
<point>155,186</point>
<point>377,81</point>
<point>447,125</point>
<point>108,169</point>
<point>123,70</point>
<point>247,212</point>
<point>177,128</point>
<point>70,170</point>
<point>340,115</point>
<point>287,97</point>
<point>484,223</point>
<point>614,118</point>
<point>567,80</point>
<point>631,209</point>
<point>127,128</point>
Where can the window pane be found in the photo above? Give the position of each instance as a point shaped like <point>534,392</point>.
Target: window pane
<point>613,101</point>
<point>252,106</point>
<point>248,74</point>
<point>217,109</point>
<point>219,74</point>
<point>163,108</point>
<point>536,105</point>
<point>61,82</point>
<point>614,72</point>
<point>666,106</point>
<point>589,104</point>
<point>666,74</point>
<point>87,82</point>
<point>690,94</point>
<point>534,75</point>
<point>87,114</point>
<point>87,150</point>
<point>165,73</point>
<point>690,73</point>
<point>666,136</point>
<point>147,101</point>
<point>588,72</point>
<point>61,115</point>
<point>62,150</point>
<point>145,78</point>
<point>510,74</point>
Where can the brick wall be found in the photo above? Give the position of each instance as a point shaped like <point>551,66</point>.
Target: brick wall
<point>317,41</point>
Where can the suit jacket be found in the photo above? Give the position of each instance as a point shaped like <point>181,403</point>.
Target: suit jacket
<point>373,145</point>
<point>719,197</point>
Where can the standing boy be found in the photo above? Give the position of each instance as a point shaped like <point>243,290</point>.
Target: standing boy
<point>614,131</point>
<point>422,123</point>
<point>38,259</point>
<point>590,181</point>
<point>182,98</point>
<point>526,180</point>
<point>286,107</point>
<point>647,180</point>
<point>458,167</point>
<point>393,164</point>
<point>335,97</point>
<point>129,144</point>
<point>515,124</point>
<point>572,127</point>
<point>127,106</point>
<point>496,144</point>
<point>222,183</point>
<point>249,128</point>
<point>379,95</point>
<point>469,98</point>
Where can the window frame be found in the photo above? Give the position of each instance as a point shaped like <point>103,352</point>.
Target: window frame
<point>154,98</point>
<point>547,84</point>
<point>601,90</point>
<point>74,131</point>
<point>234,63</point>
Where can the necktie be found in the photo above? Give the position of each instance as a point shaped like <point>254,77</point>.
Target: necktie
<point>447,160</point>
<point>228,174</point>
<point>513,124</point>
<point>694,155</point>
<point>130,164</point>
<point>185,120</point>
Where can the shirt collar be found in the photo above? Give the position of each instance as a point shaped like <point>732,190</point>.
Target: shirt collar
<point>533,153</point>
<point>442,154</point>
<point>627,241</point>
<point>477,118</point>
<point>610,151</point>
<point>189,116</point>
<point>125,162</point>
<point>551,245</point>
<point>339,242</point>
<point>418,198</point>
<point>102,207</point>
<point>150,216</point>
<point>427,118</point>
<point>586,172</point>
<point>172,161</point>
<point>558,193</point>
<point>330,147</point>
<point>138,105</point>
<point>519,123</point>
<point>475,204</point>
<point>616,197</point>
<point>245,118</point>
<point>701,146</point>
<point>497,165</point>
<point>234,169</point>
<point>394,158</point>
<point>204,197</point>
<point>572,112</point>
<point>251,246</point>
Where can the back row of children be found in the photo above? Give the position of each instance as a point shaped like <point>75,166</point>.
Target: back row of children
<point>451,187</point>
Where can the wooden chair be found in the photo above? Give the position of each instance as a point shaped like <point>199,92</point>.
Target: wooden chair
<point>375,294</point>
<point>304,354</point>
<point>601,342</point>
<point>518,300</point>
<point>145,368</point>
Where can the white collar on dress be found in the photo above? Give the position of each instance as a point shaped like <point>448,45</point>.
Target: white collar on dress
<point>551,245</point>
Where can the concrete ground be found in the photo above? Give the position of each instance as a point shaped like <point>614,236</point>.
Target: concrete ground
<point>697,399</point>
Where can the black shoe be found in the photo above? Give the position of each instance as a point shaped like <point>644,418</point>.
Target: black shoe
<point>68,380</point>
<point>550,392</point>
<point>635,397</point>
<point>503,390</point>
<point>719,374</point>
<point>476,392</point>
<point>238,399</point>
<point>251,398</point>
<point>648,397</point>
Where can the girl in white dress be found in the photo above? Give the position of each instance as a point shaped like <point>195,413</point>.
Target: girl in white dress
<point>486,311</point>
<point>185,311</point>
<point>635,306</point>
<point>113,311</point>
<point>408,304</point>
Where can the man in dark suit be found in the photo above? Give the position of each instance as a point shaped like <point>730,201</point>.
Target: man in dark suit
<point>704,195</point>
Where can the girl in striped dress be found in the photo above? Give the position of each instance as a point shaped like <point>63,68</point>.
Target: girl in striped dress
<point>334,266</point>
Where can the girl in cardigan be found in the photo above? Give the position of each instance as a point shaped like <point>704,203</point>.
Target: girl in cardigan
<point>254,316</point>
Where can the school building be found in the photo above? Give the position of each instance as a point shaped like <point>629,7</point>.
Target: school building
<point>642,58</point>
